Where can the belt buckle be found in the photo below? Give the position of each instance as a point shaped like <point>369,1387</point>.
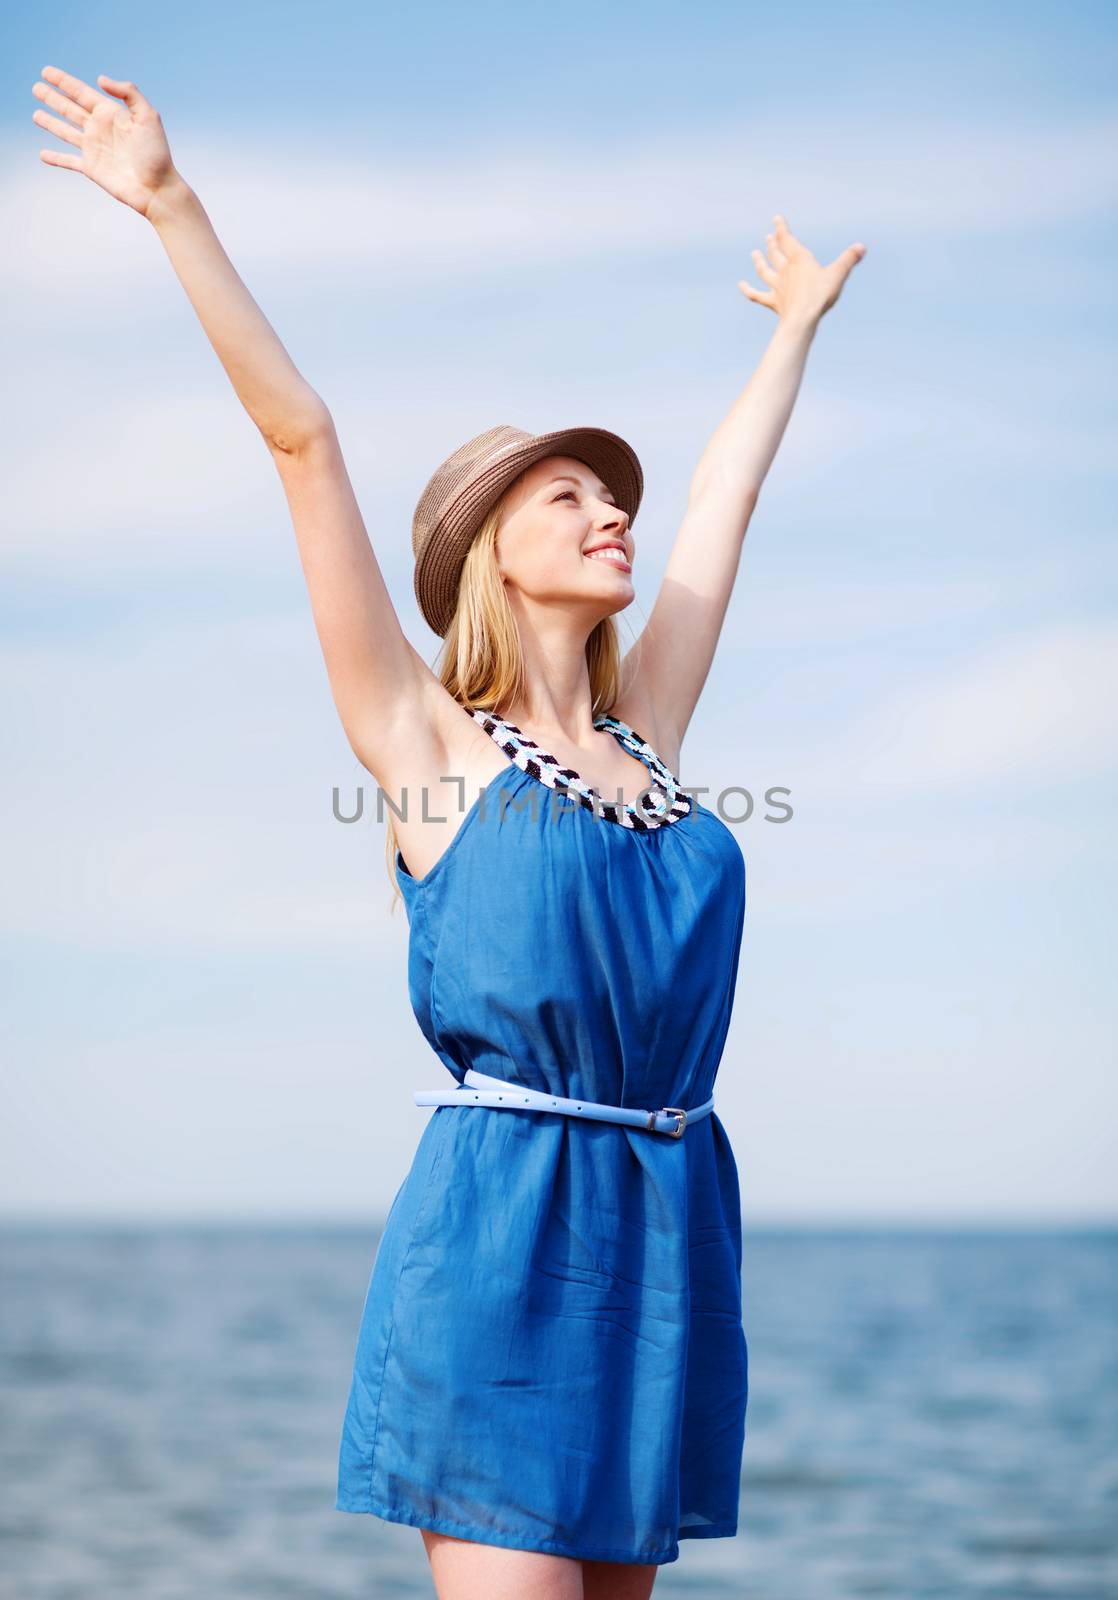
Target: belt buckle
<point>668,1111</point>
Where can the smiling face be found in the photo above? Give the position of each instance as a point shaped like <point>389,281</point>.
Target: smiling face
<point>560,513</point>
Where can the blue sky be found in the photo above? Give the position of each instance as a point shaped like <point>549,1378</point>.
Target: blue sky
<point>455,217</point>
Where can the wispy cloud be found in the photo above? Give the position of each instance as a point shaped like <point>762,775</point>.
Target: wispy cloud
<point>171,760</point>
<point>120,484</point>
<point>208,825</point>
<point>1037,709</point>
<point>172,789</point>
<point>488,208</point>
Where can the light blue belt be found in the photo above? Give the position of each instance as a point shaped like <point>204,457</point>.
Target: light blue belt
<point>479,1089</point>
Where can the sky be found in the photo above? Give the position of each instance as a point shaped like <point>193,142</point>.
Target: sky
<point>455,217</point>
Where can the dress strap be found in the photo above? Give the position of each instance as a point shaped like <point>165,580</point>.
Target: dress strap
<point>663,803</point>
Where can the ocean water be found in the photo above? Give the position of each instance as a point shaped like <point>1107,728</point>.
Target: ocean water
<point>931,1414</point>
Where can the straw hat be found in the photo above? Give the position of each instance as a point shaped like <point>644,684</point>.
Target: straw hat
<point>469,483</point>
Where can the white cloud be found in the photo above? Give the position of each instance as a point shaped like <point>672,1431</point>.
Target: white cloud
<point>1033,708</point>
<point>1039,708</point>
<point>186,482</point>
<point>496,208</point>
<point>114,459</point>
<point>172,789</point>
<point>847,872</point>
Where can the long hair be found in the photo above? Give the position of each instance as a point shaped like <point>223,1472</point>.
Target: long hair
<point>481,664</point>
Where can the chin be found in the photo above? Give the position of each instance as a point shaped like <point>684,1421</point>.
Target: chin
<point>620,601</point>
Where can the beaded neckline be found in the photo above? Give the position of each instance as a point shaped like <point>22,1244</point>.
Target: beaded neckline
<point>667,803</point>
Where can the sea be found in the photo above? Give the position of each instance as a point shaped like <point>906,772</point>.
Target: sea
<point>931,1414</point>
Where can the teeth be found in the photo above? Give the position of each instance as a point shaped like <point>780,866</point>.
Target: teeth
<point>616,556</point>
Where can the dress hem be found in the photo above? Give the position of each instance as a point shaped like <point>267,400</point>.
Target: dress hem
<point>513,1541</point>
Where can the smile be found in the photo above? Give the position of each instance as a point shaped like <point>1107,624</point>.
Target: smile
<point>615,558</point>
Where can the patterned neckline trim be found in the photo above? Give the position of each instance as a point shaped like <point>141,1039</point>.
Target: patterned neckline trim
<point>666,802</point>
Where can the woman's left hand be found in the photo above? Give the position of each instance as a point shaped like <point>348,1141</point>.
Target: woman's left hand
<point>799,288</point>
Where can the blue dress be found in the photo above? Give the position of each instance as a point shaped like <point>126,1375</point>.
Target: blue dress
<point>551,1353</point>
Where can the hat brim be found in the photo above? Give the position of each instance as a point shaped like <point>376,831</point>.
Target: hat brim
<point>438,569</point>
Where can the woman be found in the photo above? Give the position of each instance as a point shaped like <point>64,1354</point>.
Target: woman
<point>550,1378</point>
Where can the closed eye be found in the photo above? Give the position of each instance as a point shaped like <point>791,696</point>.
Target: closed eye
<point>570,494</point>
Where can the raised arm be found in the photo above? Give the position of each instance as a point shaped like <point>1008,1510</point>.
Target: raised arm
<point>385,693</point>
<point>669,662</point>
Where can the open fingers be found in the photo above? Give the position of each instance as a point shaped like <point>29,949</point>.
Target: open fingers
<point>56,125</point>
<point>776,254</point>
<point>60,102</point>
<point>844,264</point>
<point>762,268</point>
<point>784,236</point>
<point>125,90</point>
<point>56,158</point>
<point>80,93</point>
<point>759,296</point>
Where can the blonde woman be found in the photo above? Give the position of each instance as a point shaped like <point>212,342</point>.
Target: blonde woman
<point>550,1378</point>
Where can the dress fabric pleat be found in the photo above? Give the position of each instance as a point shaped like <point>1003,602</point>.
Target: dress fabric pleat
<point>551,1354</point>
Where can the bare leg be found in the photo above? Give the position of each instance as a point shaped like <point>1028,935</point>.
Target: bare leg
<point>617,1580</point>
<point>466,1570</point>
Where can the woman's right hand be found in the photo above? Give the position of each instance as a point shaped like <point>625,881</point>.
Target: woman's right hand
<point>122,147</point>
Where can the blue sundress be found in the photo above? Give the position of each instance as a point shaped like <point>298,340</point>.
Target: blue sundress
<point>551,1354</point>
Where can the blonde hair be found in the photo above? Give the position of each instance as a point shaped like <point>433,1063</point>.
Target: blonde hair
<point>481,664</point>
